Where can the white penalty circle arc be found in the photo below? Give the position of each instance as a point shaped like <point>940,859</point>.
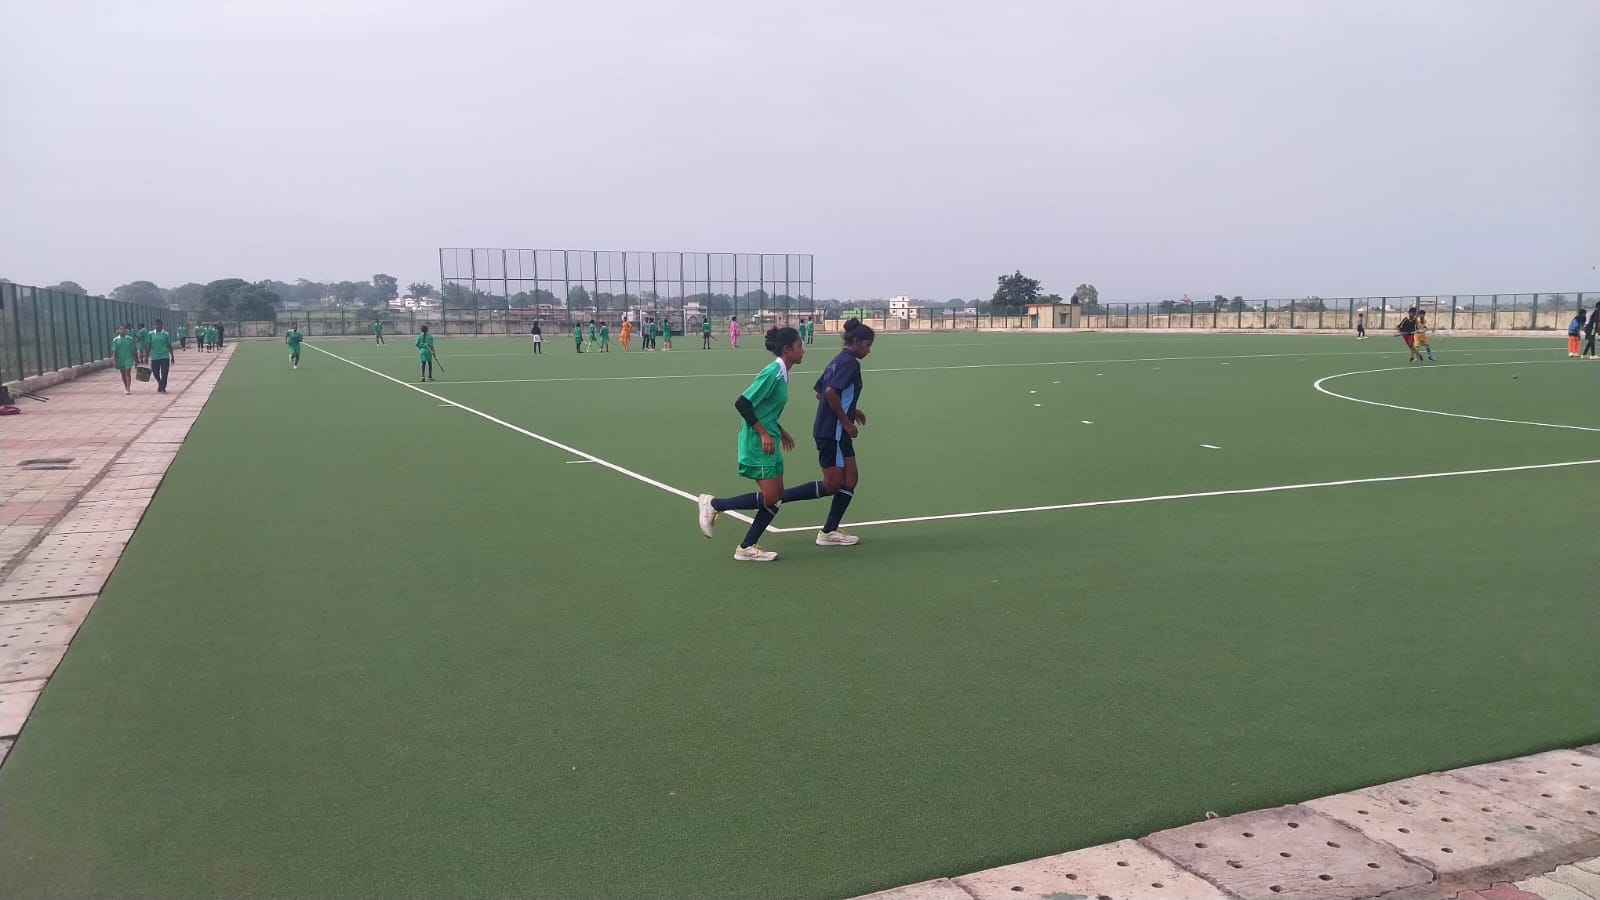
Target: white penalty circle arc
<point>1435,412</point>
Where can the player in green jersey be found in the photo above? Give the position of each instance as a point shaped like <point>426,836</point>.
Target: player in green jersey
<point>293,338</point>
<point>122,356</point>
<point>762,440</point>
<point>425,352</point>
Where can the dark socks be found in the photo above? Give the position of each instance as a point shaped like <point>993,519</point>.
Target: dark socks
<point>841,502</point>
<point>751,500</point>
<point>811,490</point>
<point>762,519</point>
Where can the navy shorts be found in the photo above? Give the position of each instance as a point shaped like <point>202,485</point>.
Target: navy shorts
<point>831,454</point>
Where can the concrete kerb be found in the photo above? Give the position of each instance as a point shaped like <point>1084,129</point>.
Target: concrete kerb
<point>1468,832</point>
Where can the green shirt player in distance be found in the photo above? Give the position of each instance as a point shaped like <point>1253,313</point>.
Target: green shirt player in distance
<point>377,331</point>
<point>605,338</point>
<point>425,353</point>
<point>760,439</point>
<point>705,334</point>
<point>577,336</point>
<point>293,337</point>
<point>664,328</point>
<point>122,350</point>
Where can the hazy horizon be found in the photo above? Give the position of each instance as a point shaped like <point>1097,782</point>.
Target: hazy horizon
<point>1153,149</point>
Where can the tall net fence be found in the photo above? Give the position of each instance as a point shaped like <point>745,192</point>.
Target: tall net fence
<point>493,290</point>
<point>44,330</point>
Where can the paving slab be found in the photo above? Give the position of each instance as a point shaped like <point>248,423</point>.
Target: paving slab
<point>937,889</point>
<point>1467,834</point>
<point>22,663</point>
<point>1288,852</point>
<point>65,611</point>
<point>1122,869</point>
<point>1562,784</point>
<point>1585,881</point>
<point>1549,889</point>
<point>14,709</point>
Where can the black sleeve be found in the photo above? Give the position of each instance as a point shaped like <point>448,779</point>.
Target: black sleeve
<point>746,409</point>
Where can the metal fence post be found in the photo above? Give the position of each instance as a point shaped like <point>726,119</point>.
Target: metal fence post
<point>1533,322</point>
<point>1494,312</point>
<point>1453,305</point>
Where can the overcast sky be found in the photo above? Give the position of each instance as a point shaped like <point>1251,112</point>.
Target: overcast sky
<point>1152,148</point>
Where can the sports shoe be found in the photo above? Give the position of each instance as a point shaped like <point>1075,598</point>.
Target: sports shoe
<point>836,539</point>
<point>708,516</point>
<point>754,553</point>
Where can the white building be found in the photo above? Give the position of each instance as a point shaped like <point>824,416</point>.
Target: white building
<point>900,308</point>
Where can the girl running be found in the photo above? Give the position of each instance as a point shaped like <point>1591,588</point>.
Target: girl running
<point>733,332</point>
<point>835,429</point>
<point>538,339</point>
<point>760,438</point>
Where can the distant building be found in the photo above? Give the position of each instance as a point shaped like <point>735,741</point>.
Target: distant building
<point>901,308</point>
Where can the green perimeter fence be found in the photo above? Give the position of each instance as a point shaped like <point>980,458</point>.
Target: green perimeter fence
<point>44,330</point>
<point>1461,312</point>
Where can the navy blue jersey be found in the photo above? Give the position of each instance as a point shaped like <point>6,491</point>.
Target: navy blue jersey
<point>843,374</point>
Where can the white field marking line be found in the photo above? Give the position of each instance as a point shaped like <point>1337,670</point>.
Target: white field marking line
<point>1211,446</point>
<point>1007,365</point>
<point>583,457</point>
<point>578,462</point>
<point>1434,412</point>
<point>1270,489</point>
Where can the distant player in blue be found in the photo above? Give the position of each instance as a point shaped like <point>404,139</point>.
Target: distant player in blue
<point>835,428</point>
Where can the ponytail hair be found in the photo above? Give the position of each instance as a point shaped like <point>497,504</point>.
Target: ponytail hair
<point>855,331</point>
<point>779,338</point>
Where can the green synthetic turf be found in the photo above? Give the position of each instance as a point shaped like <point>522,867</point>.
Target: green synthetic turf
<point>365,644</point>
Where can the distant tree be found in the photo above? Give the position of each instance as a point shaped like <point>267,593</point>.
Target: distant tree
<point>1013,293</point>
<point>1089,297</point>
<point>1219,300</point>
<point>1311,304</point>
<point>187,296</point>
<point>70,287</point>
<point>239,300</point>
<point>578,297</point>
<point>144,293</point>
<point>421,290</point>
<point>1237,304</point>
<point>385,288</point>
<point>347,291</point>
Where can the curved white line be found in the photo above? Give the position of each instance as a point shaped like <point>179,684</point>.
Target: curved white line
<point>1434,412</point>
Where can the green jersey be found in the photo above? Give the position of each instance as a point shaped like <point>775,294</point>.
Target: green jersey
<point>577,332</point>
<point>665,330</point>
<point>211,335</point>
<point>377,328</point>
<point>122,351</point>
<point>769,393</point>
<point>160,345</point>
<point>705,327</point>
<point>294,338</point>
<point>594,333</point>
<point>425,346</point>
<point>141,339</point>
<point>605,334</point>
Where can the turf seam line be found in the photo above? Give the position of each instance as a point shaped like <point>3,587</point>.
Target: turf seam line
<point>1004,365</point>
<point>590,457</point>
<point>1269,489</point>
<point>1434,412</point>
<point>11,564</point>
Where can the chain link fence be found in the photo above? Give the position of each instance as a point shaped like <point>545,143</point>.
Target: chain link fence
<point>1456,312</point>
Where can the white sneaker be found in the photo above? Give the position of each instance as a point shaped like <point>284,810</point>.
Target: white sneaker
<point>708,516</point>
<point>836,539</point>
<point>754,553</point>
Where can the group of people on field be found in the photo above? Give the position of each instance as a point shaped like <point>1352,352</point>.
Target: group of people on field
<point>763,440</point>
<point>152,347</point>
<point>655,334</point>
<point>1580,333</point>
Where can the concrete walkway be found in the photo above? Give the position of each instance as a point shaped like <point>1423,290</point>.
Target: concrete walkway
<point>1523,829</point>
<point>76,474</point>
